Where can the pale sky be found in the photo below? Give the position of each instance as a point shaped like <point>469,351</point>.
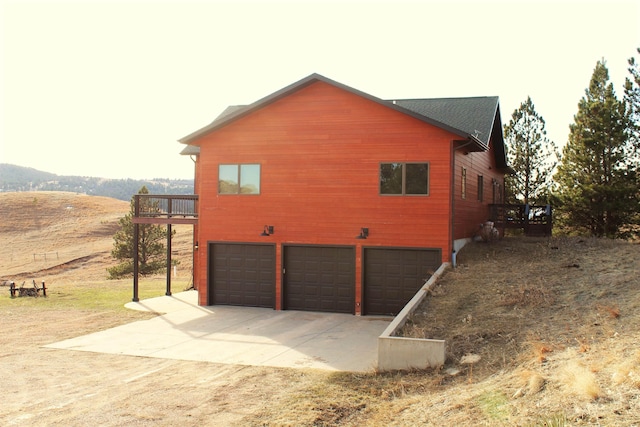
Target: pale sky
<point>106,88</point>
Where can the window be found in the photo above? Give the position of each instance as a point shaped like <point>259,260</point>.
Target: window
<point>464,183</point>
<point>497,191</point>
<point>480,188</point>
<point>239,179</point>
<point>404,178</point>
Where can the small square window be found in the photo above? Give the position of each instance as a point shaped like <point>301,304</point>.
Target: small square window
<point>404,178</point>
<point>239,179</point>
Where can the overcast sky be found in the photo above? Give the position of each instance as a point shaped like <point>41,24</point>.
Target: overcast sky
<point>106,88</point>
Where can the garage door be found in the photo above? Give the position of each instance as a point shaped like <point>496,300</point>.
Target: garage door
<point>393,276</point>
<point>242,274</point>
<point>319,278</point>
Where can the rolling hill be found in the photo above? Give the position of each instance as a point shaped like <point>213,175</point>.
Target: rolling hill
<point>18,178</point>
<point>52,235</point>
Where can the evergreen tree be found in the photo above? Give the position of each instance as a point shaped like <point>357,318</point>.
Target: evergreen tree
<point>151,249</point>
<point>531,154</point>
<point>596,189</point>
<point>632,102</point>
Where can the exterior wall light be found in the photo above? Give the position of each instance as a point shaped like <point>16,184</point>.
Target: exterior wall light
<point>364,233</point>
<point>268,230</point>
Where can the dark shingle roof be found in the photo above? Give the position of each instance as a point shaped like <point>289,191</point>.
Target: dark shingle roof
<point>474,116</point>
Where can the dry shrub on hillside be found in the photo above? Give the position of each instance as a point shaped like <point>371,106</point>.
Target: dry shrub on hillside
<point>579,380</point>
<point>531,383</point>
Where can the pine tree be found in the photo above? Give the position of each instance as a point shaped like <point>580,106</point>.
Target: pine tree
<point>151,249</point>
<point>531,154</point>
<point>596,190</point>
<point>632,103</point>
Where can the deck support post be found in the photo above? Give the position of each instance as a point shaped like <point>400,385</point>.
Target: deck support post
<point>168,293</point>
<point>136,237</point>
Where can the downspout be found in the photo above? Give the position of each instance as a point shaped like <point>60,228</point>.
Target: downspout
<point>453,203</point>
<point>194,243</point>
<point>453,193</point>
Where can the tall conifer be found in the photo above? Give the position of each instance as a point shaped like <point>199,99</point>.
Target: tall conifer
<point>531,154</point>
<point>596,189</point>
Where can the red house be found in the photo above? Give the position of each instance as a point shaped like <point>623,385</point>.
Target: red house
<point>324,198</point>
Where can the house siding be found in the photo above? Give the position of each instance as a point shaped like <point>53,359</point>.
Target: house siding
<point>320,149</point>
<point>470,212</point>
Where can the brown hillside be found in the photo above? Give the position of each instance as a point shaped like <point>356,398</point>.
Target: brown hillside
<point>49,235</point>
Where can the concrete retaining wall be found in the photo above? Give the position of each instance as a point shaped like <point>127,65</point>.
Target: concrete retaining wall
<point>395,353</point>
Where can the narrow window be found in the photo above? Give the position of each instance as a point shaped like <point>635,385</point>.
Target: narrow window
<point>228,179</point>
<point>391,178</point>
<point>480,188</point>
<point>404,178</point>
<point>494,184</point>
<point>417,178</point>
<point>249,179</point>
<point>464,183</point>
<point>239,179</point>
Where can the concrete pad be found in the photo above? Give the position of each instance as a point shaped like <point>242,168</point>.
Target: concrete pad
<point>241,336</point>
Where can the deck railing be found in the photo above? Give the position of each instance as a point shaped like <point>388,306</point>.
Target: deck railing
<point>534,220</point>
<point>165,209</point>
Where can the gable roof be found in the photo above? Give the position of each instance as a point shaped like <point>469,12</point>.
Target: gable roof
<point>472,118</point>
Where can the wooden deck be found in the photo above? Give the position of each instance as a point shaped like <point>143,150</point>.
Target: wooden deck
<point>161,209</point>
<point>165,209</point>
<point>534,220</point>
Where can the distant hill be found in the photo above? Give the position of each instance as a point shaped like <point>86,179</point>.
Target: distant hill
<point>18,178</point>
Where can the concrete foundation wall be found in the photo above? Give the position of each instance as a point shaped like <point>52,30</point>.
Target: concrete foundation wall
<point>395,353</point>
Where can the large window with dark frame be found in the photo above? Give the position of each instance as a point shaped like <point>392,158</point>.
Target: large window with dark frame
<point>239,179</point>
<point>411,179</point>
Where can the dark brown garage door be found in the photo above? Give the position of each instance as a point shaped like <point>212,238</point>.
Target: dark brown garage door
<point>242,274</point>
<point>393,276</point>
<point>319,278</point>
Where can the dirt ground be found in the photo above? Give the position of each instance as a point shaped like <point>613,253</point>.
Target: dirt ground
<point>555,323</point>
<point>45,387</point>
<point>66,238</point>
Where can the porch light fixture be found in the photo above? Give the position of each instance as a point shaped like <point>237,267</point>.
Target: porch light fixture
<point>196,246</point>
<point>268,230</point>
<point>364,233</point>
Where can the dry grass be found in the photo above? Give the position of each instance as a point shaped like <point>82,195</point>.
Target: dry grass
<point>555,322</point>
<point>65,238</point>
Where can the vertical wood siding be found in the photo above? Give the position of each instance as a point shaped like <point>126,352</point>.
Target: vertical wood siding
<point>319,150</point>
<point>470,212</point>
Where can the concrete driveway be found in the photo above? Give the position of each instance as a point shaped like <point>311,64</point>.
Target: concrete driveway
<point>241,336</point>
